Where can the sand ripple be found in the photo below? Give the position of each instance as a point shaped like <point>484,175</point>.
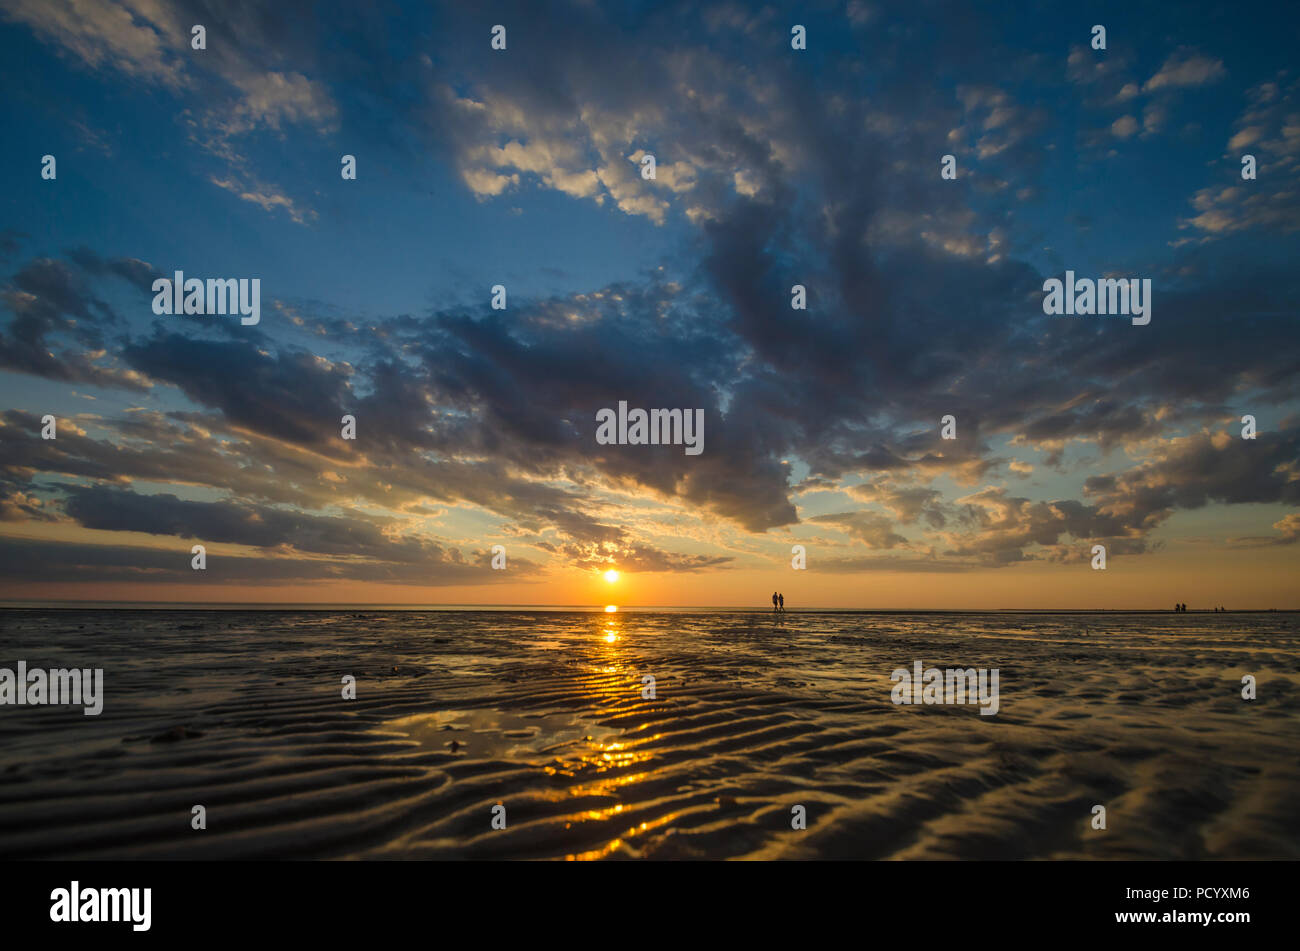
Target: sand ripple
<point>543,712</point>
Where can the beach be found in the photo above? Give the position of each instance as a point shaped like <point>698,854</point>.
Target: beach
<point>752,715</point>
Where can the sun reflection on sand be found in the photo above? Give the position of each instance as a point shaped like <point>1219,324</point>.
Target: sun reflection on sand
<point>611,763</point>
<point>615,845</point>
<point>600,762</point>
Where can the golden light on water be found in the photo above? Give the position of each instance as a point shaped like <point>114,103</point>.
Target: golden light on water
<point>611,576</point>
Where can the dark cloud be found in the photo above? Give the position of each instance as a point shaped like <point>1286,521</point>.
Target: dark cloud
<point>57,326</point>
<point>139,274</point>
<point>290,395</point>
<point>31,560</point>
<point>1202,469</point>
<point>116,510</point>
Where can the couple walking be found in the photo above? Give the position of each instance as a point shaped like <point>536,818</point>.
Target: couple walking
<point>778,602</point>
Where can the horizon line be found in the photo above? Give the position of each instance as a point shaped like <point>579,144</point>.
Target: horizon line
<point>387,606</point>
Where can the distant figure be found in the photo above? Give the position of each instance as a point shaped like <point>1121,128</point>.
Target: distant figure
<point>781,599</point>
<point>774,597</point>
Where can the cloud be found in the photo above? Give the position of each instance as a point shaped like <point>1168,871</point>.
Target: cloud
<point>1194,471</point>
<point>1002,529</point>
<point>907,503</point>
<point>59,326</point>
<point>1123,127</point>
<point>266,198</point>
<point>1269,129</point>
<point>1288,528</point>
<point>355,545</point>
<point>104,34</point>
<point>295,396</point>
<point>228,88</point>
<point>1183,69</point>
<point>871,528</point>
<point>24,560</point>
<point>272,99</point>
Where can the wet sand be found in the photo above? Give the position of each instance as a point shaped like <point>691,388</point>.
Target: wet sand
<point>242,713</point>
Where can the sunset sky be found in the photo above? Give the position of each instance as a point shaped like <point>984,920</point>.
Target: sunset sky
<point>476,427</point>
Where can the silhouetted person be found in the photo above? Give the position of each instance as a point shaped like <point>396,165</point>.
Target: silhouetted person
<point>774,597</point>
<point>781,599</point>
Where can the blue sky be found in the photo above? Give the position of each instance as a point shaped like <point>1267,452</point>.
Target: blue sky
<point>775,166</point>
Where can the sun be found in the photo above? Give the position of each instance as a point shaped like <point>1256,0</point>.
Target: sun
<point>611,576</point>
